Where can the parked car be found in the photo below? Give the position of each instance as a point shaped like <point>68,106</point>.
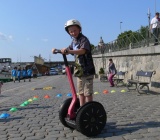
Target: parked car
<point>52,69</point>
<point>53,72</point>
<point>63,70</point>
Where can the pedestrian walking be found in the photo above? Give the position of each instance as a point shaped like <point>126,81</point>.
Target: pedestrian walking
<point>155,27</point>
<point>14,74</point>
<point>24,74</point>
<point>19,74</point>
<point>112,72</point>
<point>29,73</point>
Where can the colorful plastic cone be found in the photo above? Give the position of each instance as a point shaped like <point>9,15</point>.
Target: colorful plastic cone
<point>13,109</point>
<point>23,104</point>
<point>105,91</point>
<point>59,95</point>
<point>69,94</point>
<point>113,91</point>
<point>30,100</point>
<point>96,92</point>
<point>123,90</point>
<point>26,103</point>
<point>35,96</point>
<point>4,115</point>
<point>46,96</point>
<point>35,99</point>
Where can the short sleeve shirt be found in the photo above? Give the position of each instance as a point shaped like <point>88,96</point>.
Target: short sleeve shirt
<point>155,23</point>
<point>86,60</point>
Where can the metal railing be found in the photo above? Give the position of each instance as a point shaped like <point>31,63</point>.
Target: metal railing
<point>138,39</point>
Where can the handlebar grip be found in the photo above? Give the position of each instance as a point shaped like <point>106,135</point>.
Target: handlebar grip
<point>57,51</point>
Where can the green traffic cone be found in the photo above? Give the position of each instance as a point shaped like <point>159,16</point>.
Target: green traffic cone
<point>35,99</point>
<point>23,104</point>
<point>13,109</point>
<point>26,102</point>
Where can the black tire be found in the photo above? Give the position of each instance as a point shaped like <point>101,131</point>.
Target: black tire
<point>91,119</point>
<point>64,110</point>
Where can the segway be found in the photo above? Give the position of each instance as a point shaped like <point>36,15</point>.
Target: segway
<point>90,119</point>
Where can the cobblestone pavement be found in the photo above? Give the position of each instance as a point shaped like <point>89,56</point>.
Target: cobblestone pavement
<point>129,117</point>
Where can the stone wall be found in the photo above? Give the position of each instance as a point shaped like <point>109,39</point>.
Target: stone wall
<point>133,60</point>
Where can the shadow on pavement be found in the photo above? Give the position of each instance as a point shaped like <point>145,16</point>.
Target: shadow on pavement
<point>11,119</point>
<point>117,130</point>
<point>39,107</point>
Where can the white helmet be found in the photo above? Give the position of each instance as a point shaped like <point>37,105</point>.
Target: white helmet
<point>71,23</point>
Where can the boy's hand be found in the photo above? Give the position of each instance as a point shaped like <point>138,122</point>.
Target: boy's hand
<point>64,51</point>
<point>53,50</point>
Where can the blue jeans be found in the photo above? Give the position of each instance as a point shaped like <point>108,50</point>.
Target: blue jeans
<point>155,35</point>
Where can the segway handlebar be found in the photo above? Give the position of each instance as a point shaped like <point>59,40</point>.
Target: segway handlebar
<point>57,51</point>
<point>64,56</point>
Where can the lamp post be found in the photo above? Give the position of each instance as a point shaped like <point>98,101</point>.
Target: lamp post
<point>101,45</point>
<point>120,26</point>
<point>155,6</point>
<point>149,16</point>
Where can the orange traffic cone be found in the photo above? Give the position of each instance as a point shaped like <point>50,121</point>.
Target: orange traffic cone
<point>35,96</point>
<point>105,91</point>
<point>46,96</point>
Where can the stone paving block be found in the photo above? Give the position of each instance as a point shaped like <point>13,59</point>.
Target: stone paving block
<point>139,131</point>
<point>35,128</point>
<point>158,138</point>
<point>131,137</point>
<point>35,138</point>
<point>21,138</point>
<point>12,135</point>
<point>81,138</point>
<point>71,138</point>
<point>152,134</point>
<point>95,138</point>
<point>149,138</point>
<point>28,134</point>
<point>50,138</point>
<point>114,138</point>
<point>3,132</point>
<point>3,136</point>
<point>156,129</point>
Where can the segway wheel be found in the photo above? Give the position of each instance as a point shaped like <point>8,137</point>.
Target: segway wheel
<point>91,119</point>
<point>64,110</point>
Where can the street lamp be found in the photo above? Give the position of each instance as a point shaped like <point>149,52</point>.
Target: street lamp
<point>155,6</point>
<point>120,26</point>
<point>149,16</point>
<point>101,45</point>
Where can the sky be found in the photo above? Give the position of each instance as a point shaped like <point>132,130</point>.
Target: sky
<point>32,27</point>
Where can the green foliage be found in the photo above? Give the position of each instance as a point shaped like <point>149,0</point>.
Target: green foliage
<point>92,47</point>
<point>124,39</point>
<point>101,71</point>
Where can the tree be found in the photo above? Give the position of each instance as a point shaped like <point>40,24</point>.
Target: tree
<point>124,39</point>
<point>92,47</point>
